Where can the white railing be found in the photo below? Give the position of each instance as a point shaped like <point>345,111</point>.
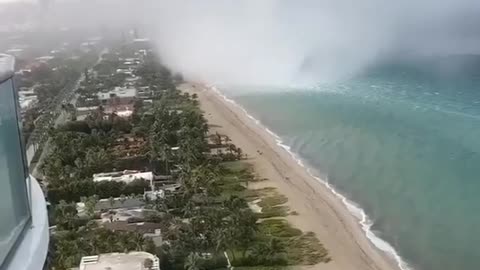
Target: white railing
<point>31,252</point>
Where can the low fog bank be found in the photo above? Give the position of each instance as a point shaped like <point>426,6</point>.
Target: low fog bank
<point>277,42</point>
<point>303,42</point>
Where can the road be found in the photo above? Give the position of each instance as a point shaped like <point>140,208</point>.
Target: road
<point>66,95</point>
<point>56,117</point>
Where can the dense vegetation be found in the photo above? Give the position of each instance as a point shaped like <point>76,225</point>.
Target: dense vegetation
<point>51,82</point>
<point>208,215</point>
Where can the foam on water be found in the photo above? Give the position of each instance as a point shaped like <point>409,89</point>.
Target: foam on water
<point>364,221</point>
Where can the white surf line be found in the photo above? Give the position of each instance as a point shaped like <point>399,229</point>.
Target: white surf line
<point>365,222</point>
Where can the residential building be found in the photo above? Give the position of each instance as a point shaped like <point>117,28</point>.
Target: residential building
<point>83,112</point>
<point>140,227</point>
<point>154,194</point>
<point>119,101</point>
<point>126,71</point>
<point>147,229</point>
<point>158,183</point>
<point>156,237</point>
<point>24,72</point>
<point>135,214</point>
<point>44,59</point>
<point>125,110</point>
<point>121,261</point>
<point>27,98</point>
<point>24,234</point>
<point>131,61</point>
<point>141,43</point>
<point>15,51</point>
<point>145,92</point>
<point>131,81</point>
<point>126,176</point>
<point>116,203</point>
<point>117,96</point>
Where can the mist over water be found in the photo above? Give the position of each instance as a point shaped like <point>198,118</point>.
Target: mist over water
<point>399,140</point>
<point>304,42</point>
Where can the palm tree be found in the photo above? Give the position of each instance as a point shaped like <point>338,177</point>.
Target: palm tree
<point>233,241</point>
<point>111,200</point>
<point>107,241</point>
<point>159,148</point>
<point>90,203</point>
<point>221,239</point>
<point>65,254</point>
<point>148,264</point>
<point>239,153</point>
<point>192,262</point>
<point>232,148</point>
<point>203,180</point>
<point>160,204</point>
<point>275,246</point>
<point>123,198</point>
<point>175,229</point>
<point>269,251</point>
<point>235,203</point>
<point>165,153</point>
<point>227,139</point>
<point>139,241</point>
<point>65,215</point>
<point>217,138</point>
<point>188,209</point>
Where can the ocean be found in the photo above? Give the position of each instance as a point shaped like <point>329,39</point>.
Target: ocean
<point>401,142</point>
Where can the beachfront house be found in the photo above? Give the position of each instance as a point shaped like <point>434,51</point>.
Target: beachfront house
<point>136,260</point>
<point>147,229</point>
<point>112,203</point>
<point>126,176</point>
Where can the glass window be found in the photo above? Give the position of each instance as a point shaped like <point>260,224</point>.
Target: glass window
<point>14,206</point>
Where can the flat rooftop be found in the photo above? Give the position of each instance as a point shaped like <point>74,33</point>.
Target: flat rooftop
<point>118,92</point>
<point>118,261</point>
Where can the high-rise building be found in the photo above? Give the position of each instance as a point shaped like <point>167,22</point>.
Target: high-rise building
<point>24,234</point>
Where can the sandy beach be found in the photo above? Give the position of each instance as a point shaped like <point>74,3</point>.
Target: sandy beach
<point>319,210</point>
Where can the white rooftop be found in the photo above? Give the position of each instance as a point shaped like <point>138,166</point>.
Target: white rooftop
<point>27,101</point>
<point>119,261</point>
<point>124,113</point>
<point>46,57</point>
<point>86,109</point>
<point>123,176</point>
<point>27,92</point>
<point>153,195</point>
<point>118,92</point>
<point>14,50</point>
<point>141,40</point>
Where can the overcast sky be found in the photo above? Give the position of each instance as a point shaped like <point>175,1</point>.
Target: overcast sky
<point>8,1</point>
<point>282,41</point>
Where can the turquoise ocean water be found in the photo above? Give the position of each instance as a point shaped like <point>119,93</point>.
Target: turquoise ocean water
<point>403,142</point>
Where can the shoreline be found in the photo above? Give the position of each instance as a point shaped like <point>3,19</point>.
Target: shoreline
<point>321,208</point>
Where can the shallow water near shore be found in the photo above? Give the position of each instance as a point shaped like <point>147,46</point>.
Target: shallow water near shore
<point>400,141</point>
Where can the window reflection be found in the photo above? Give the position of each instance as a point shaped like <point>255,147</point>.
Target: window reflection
<point>14,207</point>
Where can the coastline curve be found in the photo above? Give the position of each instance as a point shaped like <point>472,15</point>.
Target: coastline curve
<point>353,208</point>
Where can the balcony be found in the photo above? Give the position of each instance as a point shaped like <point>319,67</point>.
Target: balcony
<point>31,250</point>
<point>23,213</point>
